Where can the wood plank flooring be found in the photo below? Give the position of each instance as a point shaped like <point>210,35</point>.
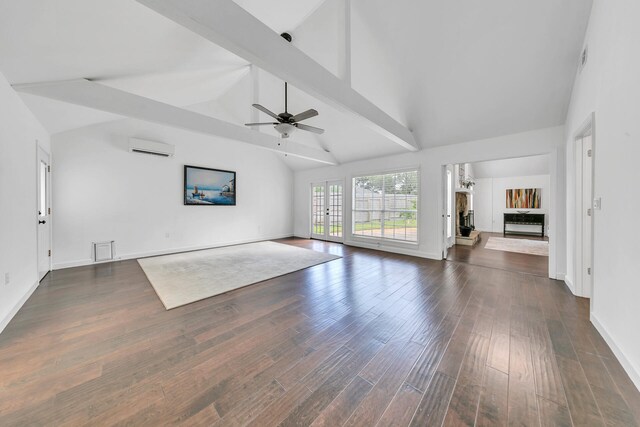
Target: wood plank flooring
<point>370,339</point>
<point>510,261</point>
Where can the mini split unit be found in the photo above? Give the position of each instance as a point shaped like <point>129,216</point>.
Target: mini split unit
<point>154,148</point>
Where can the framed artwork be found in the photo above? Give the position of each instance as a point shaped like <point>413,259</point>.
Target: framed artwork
<point>524,198</point>
<point>209,187</point>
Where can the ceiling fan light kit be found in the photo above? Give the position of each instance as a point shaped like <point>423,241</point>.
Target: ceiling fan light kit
<point>285,129</point>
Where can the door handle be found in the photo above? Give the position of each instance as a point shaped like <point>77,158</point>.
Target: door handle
<point>42,222</point>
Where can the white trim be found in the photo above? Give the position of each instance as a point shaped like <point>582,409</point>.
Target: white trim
<point>381,241</point>
<point>83,262</point>
<point>569,284</point>
<point>18,306</point>
<point>586,129</point>
<point>49,203</point>
<point>388,171</point>
<point>622,358</point>
<point>394,249</point>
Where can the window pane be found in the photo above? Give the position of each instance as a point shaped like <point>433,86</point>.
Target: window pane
<point>386,206</point>
<point>42,208</point>
<point>317,205</point>
<point>335,219</point>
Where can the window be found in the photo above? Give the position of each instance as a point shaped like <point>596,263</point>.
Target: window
<point>386,206</point>
<point>42,197</point>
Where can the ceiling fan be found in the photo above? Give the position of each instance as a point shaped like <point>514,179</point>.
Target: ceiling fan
<point>286,122</point>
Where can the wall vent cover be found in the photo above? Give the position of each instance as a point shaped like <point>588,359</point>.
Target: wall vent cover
<point>103,251</point>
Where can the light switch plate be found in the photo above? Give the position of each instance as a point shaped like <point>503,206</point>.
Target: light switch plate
<point>597,203</point>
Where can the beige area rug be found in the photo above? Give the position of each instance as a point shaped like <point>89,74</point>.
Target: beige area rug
<point>521,246</point>
<point>184,278</point>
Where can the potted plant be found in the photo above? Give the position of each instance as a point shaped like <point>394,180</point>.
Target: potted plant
<point>468,183</point>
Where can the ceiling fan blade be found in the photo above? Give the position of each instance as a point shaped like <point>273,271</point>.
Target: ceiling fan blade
<point>309,128</point>
<point>264,110</point>
<point>305,115</point>
<point>260,124</point>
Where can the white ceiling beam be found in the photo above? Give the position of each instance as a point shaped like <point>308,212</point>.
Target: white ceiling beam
<point>228,25</point>
<point>255,95</point>
<point>100,97</point>
<point>346,66</point>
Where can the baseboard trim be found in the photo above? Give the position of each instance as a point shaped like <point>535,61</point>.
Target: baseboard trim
<point>5,321</point>
<point>631,370</point>
<point>394,249</point>
<point>136,255</point>
<point>570,285</point>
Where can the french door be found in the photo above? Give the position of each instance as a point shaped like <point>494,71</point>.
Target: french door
<point>327,200</point>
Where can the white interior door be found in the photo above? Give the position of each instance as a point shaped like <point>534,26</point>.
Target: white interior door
<point>327,215</point>
<point>44,213</point>
<point>584,215</point>
<point>587,214</point>
<point>447,214</point>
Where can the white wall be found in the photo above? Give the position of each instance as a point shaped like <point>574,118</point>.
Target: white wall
<point>521,166</point>
<point>322,36</point>
<point>609,86</point>
<point>483,204</point>
<point>490,202</point>
<point>19,131</point>
<point>103,192</point>
<point>430,163</point>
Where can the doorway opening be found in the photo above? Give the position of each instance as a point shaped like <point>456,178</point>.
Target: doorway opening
<point>43,172</point>
<point>500,213</point>
<point>327,201</point>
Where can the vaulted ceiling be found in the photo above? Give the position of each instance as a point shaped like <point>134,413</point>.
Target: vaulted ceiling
<point>450,71</point>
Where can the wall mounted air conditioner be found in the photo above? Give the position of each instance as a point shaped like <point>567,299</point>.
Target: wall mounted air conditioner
<point>143,146</point>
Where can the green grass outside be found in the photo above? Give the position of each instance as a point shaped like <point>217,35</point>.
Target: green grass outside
<point>370,225</point>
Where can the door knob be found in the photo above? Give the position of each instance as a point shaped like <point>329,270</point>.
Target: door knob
<point>42,222</point>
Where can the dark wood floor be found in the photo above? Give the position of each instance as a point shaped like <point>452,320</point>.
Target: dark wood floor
<point>521,263</point>
<point>370,339</point>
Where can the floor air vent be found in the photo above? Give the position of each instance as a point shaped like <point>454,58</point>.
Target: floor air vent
<point>103,251</point>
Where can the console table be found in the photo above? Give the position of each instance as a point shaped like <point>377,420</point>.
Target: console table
<point>523,219</point>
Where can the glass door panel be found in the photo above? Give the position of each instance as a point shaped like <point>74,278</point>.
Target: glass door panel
<point>327,201</point>
<point>318,210</point>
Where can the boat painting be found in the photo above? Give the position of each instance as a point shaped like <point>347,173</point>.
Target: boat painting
<point>209,187</point>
